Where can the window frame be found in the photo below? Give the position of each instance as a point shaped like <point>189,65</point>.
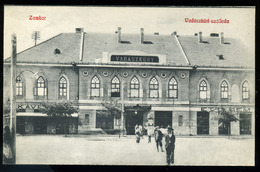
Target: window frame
<point>154,86</point>
<point>180,121</point>
<point>173,83</point>
<point>203,88</point>
<point>95,87</point>
<point>246,90</point>
<point>223,90</point>
<point>19,86</point>
<point>41,85</point>
<point>135,86</point>
<point>63,87</point>
<point>115,87</point>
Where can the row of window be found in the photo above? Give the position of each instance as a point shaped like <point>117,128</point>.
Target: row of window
<point>154,88</point>
<point>41,90</point>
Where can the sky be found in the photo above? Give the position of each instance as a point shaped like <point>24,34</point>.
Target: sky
<point>165,20</point>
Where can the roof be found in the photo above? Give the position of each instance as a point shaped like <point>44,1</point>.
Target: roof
<point>67,43</point>
<point>95,44</point>
<point>207,53</point>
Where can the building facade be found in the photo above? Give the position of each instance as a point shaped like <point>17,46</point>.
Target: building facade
<point>182,80</point>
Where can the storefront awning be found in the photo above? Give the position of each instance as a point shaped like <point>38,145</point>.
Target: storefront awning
<point>39,114</point>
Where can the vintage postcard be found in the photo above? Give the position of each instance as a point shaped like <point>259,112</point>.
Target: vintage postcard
<point>152,86</point>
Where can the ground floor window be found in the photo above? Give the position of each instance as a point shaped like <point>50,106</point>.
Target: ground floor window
<point>163,118</point>
<point>103,121</point>
<point>245,124</point>
<point>202,123</point>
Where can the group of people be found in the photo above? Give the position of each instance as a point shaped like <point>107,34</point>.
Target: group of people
<point>159,135</point>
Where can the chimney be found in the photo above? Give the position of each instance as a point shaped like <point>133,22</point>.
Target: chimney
<point>142,36</point>
<point>79,30</point>
<point>119,35</point>
<point>221,38</point>
<point>174,33</point>
<point>200,37</point>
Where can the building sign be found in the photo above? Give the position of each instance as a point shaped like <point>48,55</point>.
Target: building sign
<point>127,58</point>
<point>235,109</point>
<point>28,106</point>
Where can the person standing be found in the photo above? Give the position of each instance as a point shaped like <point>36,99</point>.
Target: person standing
<point>141,130</point>
<point>149,132</point>
<point>158,138</point>
<point>7,151</point>
<point>170,146</point>
<point>137,134</point>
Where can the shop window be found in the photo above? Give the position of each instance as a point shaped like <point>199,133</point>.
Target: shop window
<point>95,87</point>
<point>134,87</point>
<point>19,86</point>
<point>173,88</point>
<point>180,120</point>
<point>154,88</point>
<point>63,88</point>
<point>203,90</point>
<point>224,90</point>
<point>40,89</point>
<point>115,87</point>
<point>87,119</point>
<point>245,91</point>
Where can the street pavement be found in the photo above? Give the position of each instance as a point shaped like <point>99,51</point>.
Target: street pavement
<point>111,150</point>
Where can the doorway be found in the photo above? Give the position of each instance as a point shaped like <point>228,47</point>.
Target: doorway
<point>132,119</point>
<point>245,124</point>
<point>202,122</point>
<point>40,125</point>
<point>163,118</point>
<point>223,128</point>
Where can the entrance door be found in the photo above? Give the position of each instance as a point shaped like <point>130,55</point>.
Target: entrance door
<point>245,124</point>
<point>163,118</point>
<point>20,125</point>
<point>40,125</point>
<point>202,123</point>
<point>60,125</point>
<point>223,128</point>
<point>131,120</point>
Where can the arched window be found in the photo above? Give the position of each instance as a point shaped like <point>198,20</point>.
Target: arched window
<point>173,88</point>
<point>180,120</point>
<point>40,88</point>
<point>87,119</point>
<point>203,90</point>
<point>115,87</point>
<point>19,86</point>
<point>245,91</point>
<point>154,88</point>
<point>134,87</point>
<point>62,87</point>
<point>95,87</point>
<point>224,90</point>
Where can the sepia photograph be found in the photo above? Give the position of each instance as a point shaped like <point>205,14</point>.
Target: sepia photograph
<point>135,86</point>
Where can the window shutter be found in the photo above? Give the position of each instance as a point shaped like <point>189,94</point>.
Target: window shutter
<point>45,91</point>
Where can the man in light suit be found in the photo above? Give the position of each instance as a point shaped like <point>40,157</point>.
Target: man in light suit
<point>170,146</point>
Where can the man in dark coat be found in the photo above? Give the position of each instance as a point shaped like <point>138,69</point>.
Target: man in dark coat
<point>158,138</point>
<point>170,145</point>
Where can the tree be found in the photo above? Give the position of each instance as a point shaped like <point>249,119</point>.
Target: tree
<point>113,108</point>
<point>226,116</point>
<point>63,109</point>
